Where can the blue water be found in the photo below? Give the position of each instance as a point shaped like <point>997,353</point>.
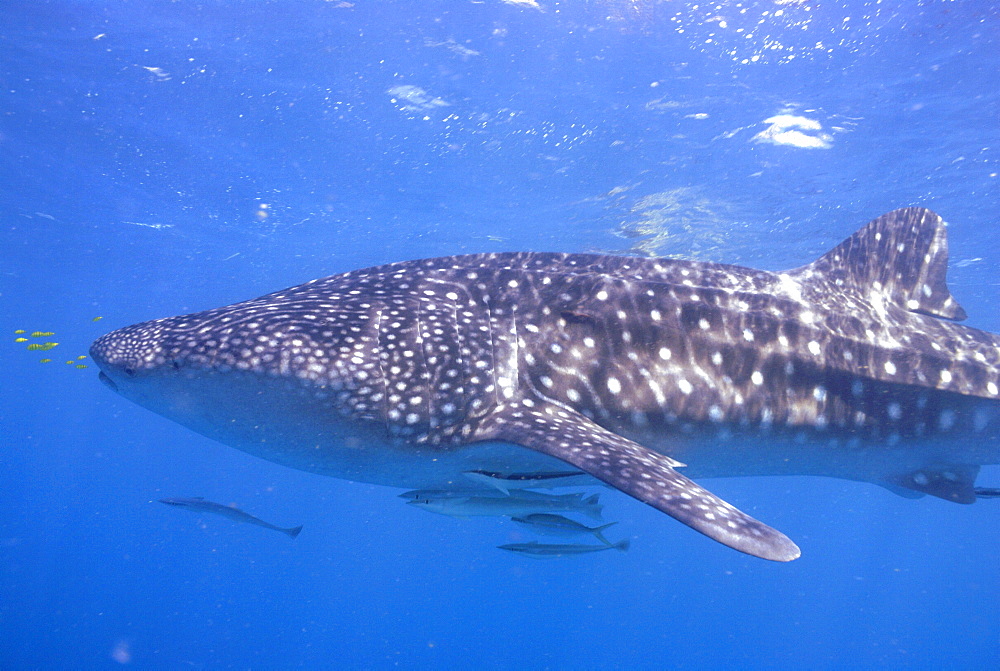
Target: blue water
<point>160,157</point>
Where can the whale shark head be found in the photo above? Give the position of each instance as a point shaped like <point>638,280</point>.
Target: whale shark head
<point>362,376</point>
<point>217,347</point>
<point>224,362</point>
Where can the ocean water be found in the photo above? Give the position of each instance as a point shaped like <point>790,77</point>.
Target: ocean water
<point>164,157</point>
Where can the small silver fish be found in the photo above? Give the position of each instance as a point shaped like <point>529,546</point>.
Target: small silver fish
<point>542,480</point>
<point>199,505</point>
<point>537,550</point>
<point>562,527</point>
<point>428,494</point>
<point>517,504</point>
<point>987,492</point>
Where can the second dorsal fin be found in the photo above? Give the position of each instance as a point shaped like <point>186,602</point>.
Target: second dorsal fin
<point>903,254</point>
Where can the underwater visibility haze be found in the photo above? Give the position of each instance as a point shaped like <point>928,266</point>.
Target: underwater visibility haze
<point>651,279</point>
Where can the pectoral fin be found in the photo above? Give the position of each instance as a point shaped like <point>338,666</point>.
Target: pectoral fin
<point>635,470</point>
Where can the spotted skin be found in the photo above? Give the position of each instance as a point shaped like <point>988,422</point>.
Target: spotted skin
<point>647,475</point>
<point>629,369</point>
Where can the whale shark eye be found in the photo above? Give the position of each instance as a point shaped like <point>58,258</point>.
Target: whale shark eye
<point>129,371</point>
<point>176,364</point>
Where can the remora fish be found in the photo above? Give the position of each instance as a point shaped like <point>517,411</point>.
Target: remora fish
<point>463,492</point>
<point>426,494</point>
<point>563,527</point>
<point>513,505</point>
<point>538,550</point>
<point>198,504</point>
<point>411,373</point>
<point>508,481</point>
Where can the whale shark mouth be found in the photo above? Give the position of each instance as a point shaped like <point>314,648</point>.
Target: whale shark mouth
<point>107,381</point>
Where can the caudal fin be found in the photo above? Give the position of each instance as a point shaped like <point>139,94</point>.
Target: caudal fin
<point>599,535</point>
<point>293,532</point>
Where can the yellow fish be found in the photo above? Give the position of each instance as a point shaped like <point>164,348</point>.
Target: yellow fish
<point>82,356</point>
<point>70,362</point>
<point>42,346</point>
<point>97,319</point>
<point>19,331</point>
<point>81,365</point>
<point>45,361</point>
<point>20,340</point>
<point>42,334</point>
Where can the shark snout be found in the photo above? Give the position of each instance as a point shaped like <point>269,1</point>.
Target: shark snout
<point>99,355</point>
<point>123,354</point>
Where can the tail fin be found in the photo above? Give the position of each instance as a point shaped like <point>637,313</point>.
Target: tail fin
<point>599,535</point>
<point>293,532</point>
<point>622,545</point>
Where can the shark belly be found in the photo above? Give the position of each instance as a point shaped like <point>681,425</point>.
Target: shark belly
<point>942,466</point>
<point>294,426</point>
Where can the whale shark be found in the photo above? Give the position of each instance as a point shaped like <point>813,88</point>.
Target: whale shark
<point>647,374</point>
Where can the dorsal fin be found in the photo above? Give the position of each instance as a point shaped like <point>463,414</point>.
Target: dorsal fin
<point>904,254</point>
